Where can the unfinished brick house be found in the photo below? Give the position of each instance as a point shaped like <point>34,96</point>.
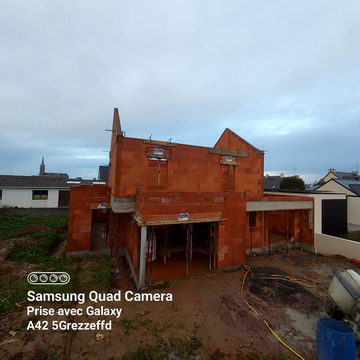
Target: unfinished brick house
<point>175,210</point>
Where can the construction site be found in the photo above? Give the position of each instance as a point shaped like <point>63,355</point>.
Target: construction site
<point>175,210</point>
<point>208,318</point>
<point>234,267</point>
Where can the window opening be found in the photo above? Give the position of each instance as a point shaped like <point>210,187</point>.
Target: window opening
<point>40,194</point>
<point>158,153</point>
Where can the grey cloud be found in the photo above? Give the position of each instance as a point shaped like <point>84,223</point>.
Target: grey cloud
<point>283,75</point>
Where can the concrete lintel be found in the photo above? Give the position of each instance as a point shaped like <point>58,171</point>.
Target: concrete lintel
<point>278,205</point>
<point>175,222</point>
<point>122,205</point>
<point>230,163</point>
<point>156,156</point>
<point>226,152</point>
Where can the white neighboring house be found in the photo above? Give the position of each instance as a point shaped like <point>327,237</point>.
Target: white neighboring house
<point>38,191</point>
<point>348,187</point>
<point>340,175</point>
<point>351,189</point>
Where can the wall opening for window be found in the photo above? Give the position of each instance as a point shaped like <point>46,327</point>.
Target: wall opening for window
<point>0,194</point>
<point>228,177</point>
<point>157,174</point>
<point>40,194</point>
<point>158,166</point>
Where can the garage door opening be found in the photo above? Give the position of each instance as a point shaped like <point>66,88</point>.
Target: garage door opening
<point>175,251</point>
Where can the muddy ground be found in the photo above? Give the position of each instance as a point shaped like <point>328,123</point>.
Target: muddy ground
<point>208,317</point>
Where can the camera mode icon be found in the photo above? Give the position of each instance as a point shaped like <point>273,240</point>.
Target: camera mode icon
<point>48,278</point>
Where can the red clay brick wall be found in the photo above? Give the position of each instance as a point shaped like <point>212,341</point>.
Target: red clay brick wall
<point>250,169</point>
<point>279,221</point>
<point>80,214</point>
<point>298,220</point>
<point>231,237</point>
<point>231,242</point>
<point>191,168</point>
<point>306,233</point>
<point>129,236</point>
<point>298,225</point>
<point>155,205</point>
<point>259,231</point>
<point>123,232</point>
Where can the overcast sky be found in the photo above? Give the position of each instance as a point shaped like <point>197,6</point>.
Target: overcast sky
<point>284,75</point>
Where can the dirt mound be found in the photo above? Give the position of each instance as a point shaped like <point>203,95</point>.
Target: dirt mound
<point>241,320</point>
<point>60,252</point>
<point>280,293</point>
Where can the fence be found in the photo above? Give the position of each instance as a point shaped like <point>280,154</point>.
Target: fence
<point>331,245</point>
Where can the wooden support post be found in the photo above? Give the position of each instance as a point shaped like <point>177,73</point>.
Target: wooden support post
<point>287,231</point>
<point>147,255</point>
<point>191,241</point>
<point>269,232</point>
<point>158,182</point>
<point>251,215</point>
<point>301,229</point>
<point>262,229</point>
<point>187,248</point>
<point>211,244</point>
<point>116,270</point>
<point>251,241</point>
<point>166,250</point>
<point>214,240</point>
<point>151,253</point>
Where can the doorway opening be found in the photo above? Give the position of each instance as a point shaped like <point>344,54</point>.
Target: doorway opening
<point>64,198</point>
<point>179,250</point>
<point>99,230</point>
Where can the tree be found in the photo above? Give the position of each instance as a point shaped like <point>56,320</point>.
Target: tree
<point>292,183</point>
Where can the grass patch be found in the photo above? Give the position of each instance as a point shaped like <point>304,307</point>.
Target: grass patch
<point>58,222</point>
<point>44,234</point>
<point>14,224</point>
<point>11,222</point>
<point>35,253</point>
<point>102,272</point>
<point>98,275</point>
<point>13,292</point>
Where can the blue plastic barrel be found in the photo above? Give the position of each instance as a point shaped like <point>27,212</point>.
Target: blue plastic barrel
<point>334,340</point>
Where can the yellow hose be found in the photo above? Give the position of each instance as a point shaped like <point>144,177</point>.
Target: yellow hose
<point>282,341</point>
<point>274,277</point>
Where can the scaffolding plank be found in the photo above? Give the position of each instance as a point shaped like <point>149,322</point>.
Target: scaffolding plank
<point>161,143</point>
